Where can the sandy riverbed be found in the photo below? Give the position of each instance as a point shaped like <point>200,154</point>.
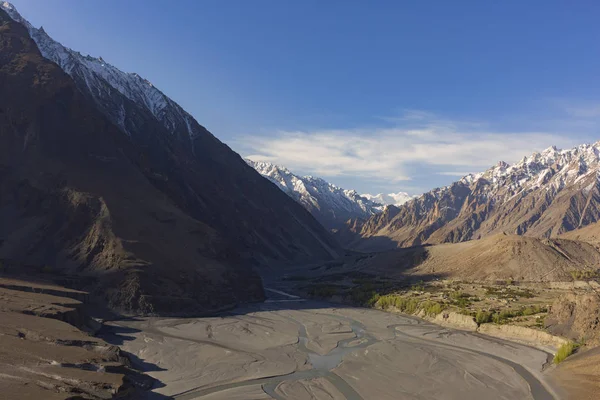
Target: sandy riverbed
<point>309,350</point>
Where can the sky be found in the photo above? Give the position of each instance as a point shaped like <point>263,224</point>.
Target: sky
<point>377,96</point>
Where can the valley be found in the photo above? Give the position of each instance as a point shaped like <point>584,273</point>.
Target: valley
<point>305,349</point>
<point>142,258</point>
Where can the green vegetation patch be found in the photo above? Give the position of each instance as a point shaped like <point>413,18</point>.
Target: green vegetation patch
<point>483,317</point>
<point>409,305</point>
<point>460,299</point>
<point>507,293</point>
<point>585,275</point>
<point>565,351</point>
<point>323,290</point>
<point>502,316</point>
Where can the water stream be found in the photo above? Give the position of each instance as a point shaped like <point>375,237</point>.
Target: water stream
<point>322,365</point>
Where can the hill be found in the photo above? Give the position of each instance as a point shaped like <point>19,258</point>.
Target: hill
<point>590,234</point>
<point>497,257</point>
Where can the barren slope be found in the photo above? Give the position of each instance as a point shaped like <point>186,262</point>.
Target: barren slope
<point>579,375</point>
<point>498,257</point>
<point>45,352</point>
<point>590,234</point>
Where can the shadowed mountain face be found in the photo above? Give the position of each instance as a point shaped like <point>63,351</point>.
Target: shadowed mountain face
<point>543,195</point>
<point>143,198</point>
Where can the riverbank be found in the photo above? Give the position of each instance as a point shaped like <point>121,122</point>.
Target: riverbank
<point>297,349</point>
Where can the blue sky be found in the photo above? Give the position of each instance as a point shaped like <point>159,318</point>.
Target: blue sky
<point>378,96</point>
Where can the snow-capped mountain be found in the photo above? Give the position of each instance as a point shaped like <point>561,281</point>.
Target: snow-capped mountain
<point>390,199</point>
<point>102,80</point>
<point>544,194</point>
<point>154,166</point>
<point>331,205</point>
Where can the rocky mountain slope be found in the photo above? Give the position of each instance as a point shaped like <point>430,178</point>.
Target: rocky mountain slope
<point>329,204</point>
<point>577,317</point>
<point>543,195</point>
<point>496,257</point>
<point>101,174</point>
<point>48,351</point>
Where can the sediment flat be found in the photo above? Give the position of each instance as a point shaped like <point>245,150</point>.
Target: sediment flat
<point>312,350</point>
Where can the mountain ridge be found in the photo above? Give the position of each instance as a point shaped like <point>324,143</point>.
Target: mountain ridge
<point>390,199</point>
<point>544,194</point>
<point>330,204</point>
<point>168,221</point>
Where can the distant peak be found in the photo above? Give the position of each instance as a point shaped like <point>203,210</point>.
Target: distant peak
<point>502,164</point>
<point>8,6</point>
<point>12,12</point>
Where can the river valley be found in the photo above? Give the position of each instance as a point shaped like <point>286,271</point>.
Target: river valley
<point>291,348</point>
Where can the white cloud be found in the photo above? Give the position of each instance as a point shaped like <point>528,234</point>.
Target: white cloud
<point>391,153</point>
<point>456,173</point>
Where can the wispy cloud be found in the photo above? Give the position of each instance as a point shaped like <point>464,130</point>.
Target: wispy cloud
<point>584,111</point>
<point>391,153</point>
<point>455,173</point>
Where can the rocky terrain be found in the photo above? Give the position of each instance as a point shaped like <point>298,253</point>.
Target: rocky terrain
<point>577,317</point>
<point>543,195</point>
<point>113,197</point>
<point>104,176</point>
<point>497,257</point>
<point>329,204</point>
<point>332,206</point>
<point>47,350</point>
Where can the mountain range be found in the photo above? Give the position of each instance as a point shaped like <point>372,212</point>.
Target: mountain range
<point>543,195</point>
<point>328,203</point>
<point>390,199</point>
<point>103,176</point>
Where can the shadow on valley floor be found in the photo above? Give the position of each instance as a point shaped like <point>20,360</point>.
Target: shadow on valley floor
<point>350,281</point>
<point>375,244</point>
<point>353,276</point>
<point>117,335</point>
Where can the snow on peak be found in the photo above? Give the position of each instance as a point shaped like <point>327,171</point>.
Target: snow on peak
<point>330,204</point>
<point>553,169</point>
<point>13,13</point>
<point>9,8</point>
<point>390,199</point>
<point>99,78</point>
